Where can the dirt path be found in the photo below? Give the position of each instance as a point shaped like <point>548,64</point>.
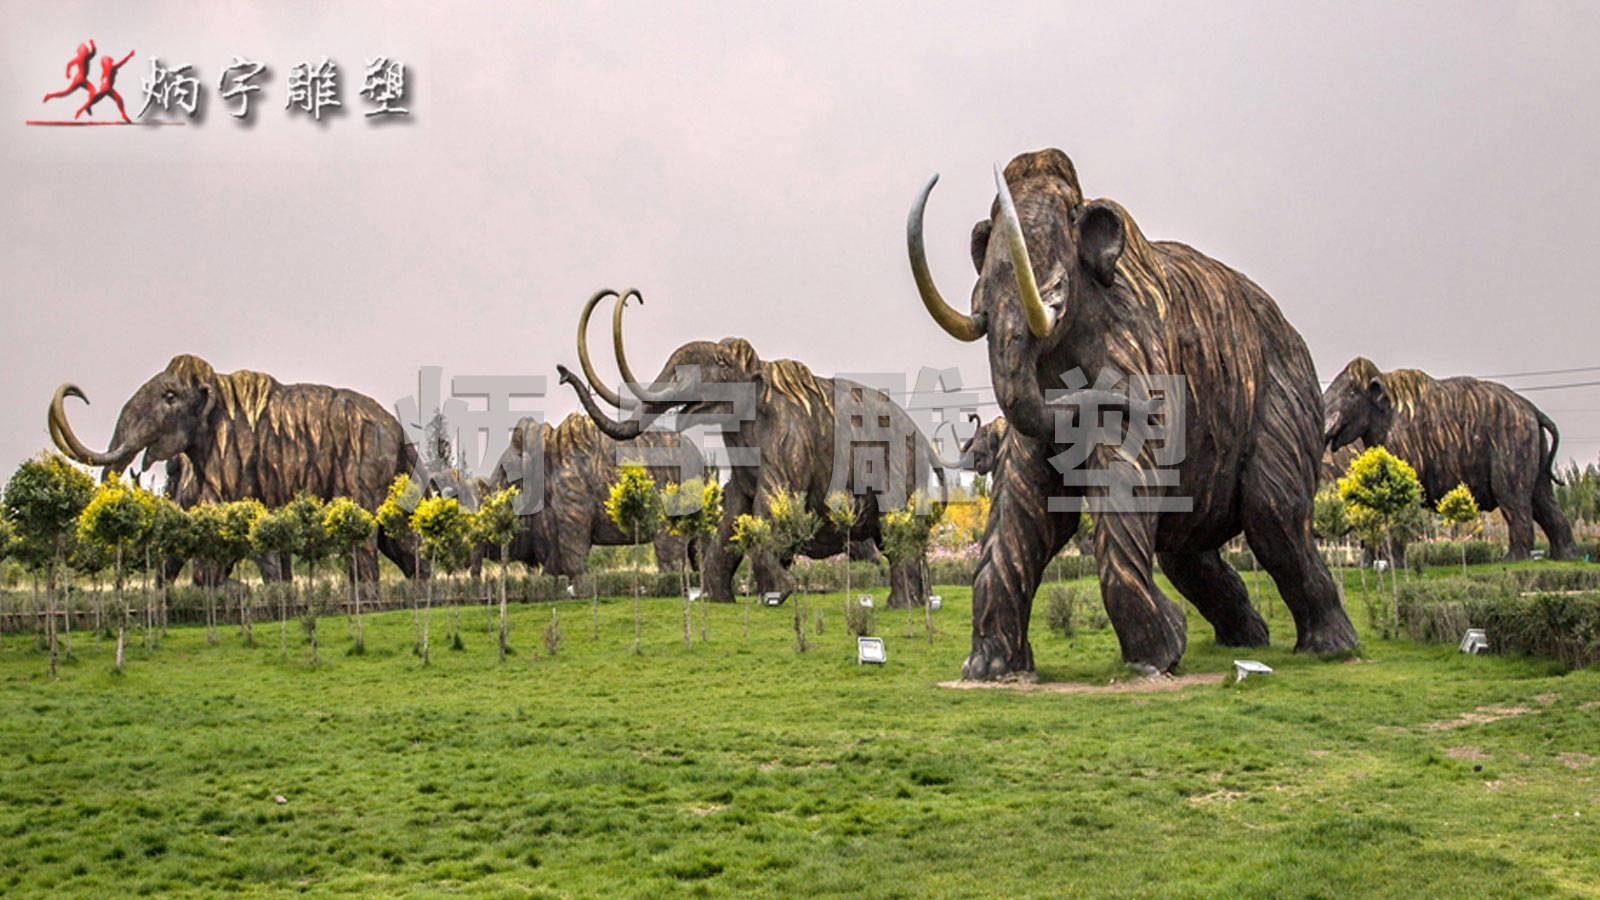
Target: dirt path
<point>1156,683</point>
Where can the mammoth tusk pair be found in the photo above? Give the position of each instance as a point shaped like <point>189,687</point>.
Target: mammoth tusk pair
<point>960,326</point>
<point>632,383</point>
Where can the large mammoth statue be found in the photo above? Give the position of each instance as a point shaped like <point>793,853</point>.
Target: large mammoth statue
<point>245,435</point>
<point>579,467</point>
<point>1455,431</point>
<point>1068,289</point>
<point>791,437</point>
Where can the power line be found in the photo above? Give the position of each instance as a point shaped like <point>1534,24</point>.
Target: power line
<point>1559,387</point>
<point>1542,372</point>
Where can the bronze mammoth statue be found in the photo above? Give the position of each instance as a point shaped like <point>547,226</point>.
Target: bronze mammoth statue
<point>579,467</point>
<point>784,429</point>
<point>244,435</point>
<point>1455,431</point>
<point>1067,287</point>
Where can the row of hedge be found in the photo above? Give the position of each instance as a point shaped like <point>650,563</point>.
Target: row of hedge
<point>1551,613</point>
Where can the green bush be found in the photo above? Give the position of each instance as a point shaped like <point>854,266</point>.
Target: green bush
<point>1520,612</point>
<point>1448,553</point>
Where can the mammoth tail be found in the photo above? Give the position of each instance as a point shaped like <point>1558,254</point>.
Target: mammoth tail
<point>1555,441</point>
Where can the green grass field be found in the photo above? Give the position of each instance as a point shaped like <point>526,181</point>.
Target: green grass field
<point>739,767</point>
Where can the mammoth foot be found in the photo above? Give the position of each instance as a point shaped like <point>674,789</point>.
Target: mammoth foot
<point>1337,636</point>
<point>993,660</point>
<point>1249,631</point>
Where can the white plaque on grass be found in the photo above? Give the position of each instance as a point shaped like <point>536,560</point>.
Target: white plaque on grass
<point>772,598</point>
<point>1474,641</point>
<point>695,594</point>
<point>870,650</point>
<point>1244,668</point>
<point>864,600</point>
<point>935,601</point>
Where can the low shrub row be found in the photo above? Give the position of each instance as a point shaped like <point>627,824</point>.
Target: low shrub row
<point>1547,613</point>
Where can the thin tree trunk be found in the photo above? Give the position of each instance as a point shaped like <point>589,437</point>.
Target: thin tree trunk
<point>427,615</point>
<point>50,615</point>
<point>505,634</point>
<point>122,610</point>
<point>636,597</point>
<point>149,603</point>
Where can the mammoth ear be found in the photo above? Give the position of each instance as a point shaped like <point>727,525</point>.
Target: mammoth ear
<point>980,243</point>
<point>208,393</point>
<point>516,439</point>
<point>1100,240</point>
<point>1376,394</point>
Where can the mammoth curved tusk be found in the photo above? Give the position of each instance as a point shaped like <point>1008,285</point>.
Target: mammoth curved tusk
<point>61,432</point>
<point>648,395</point>
<point>1039,318</point>
<point>599,386</point>
<point>620,431</point>
<point>962,327</point>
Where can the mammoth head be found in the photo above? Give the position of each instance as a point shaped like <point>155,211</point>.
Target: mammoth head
<point>982,451</point>
<point>1041,256</point>
<point>165,418</point>
<point>1357,406</point>
<point>676,386</point>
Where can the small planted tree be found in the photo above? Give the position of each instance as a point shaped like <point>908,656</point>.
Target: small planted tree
<point>394,518</point>
<point>8,540</point>
<point>1381,493</point>
<point>635,506</point>
<point>693,509</point>
<point>172,536</point>
<point>348,527</point>
<point>314,544</point>
<point>494,525</point>
<point>43,499</point>
<point>842,516</point>
<point>752,535</point>
<point>238,518</point>
<point>117,519</point>
<point>792,525</point>
<point>206,524</point>
<point>1459,510</point>
<point>905,542</point>
<point>277,533</point>
<point>442,525</point>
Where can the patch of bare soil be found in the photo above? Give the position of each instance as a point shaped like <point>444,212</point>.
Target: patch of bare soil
<point>1466,753</point>
<point>1481,716</point>
<point>1576,760</point>
<point>1150,684</point>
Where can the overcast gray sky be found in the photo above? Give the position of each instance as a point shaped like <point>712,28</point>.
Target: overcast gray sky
<point>1412,184</point>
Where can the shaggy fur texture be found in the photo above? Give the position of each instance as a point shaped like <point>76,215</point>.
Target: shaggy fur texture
<point>580,467</point>
<point>1456,431</point>
<point>796,432</point>
<point>1251,431</point>
<point>245,435</point>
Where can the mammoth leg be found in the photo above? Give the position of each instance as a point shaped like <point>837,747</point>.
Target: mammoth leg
<point>1552,520</point>
<point>1219,594</point>
<point>672,551</point>
<point>1150,627</point>
<point>722,558</point>
<point>400,554</point>
<point>1277,517</point>
<point>1519,529</point>
<point>1019,539</point>
<point>274,567</point>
